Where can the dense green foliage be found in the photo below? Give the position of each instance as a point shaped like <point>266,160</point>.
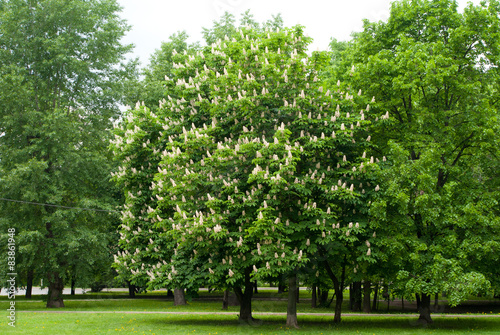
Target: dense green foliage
<point>60,86</point>
<point>258,167</point>
<point>436,71</point>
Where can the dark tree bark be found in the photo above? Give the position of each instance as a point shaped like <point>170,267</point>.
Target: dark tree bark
<point>281,286</point>
<point>73,285</point>
<point>338,305</point>
<point>245,299</point>
<point>179,297</point>
<point>297,294</point>
<point>229,299</point>
<point>425,309</point>
<point>366,296</point>
<point>56,287</point>
<point>225,300</point>
<point>357,296</point>
<point>29,284</point>
<point>375,298</point>
<point>255,288</point>
<point>351,297</point>
<point>314,296</point>
<point>170,293</point>
<point>291,310</point>
<point>339,288</point>
<point>323,298</point>
<point>386,295</point>
<point>436,302</point>
<point>131,290</point>
<point>417,298</point>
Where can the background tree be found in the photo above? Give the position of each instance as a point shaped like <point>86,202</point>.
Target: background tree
<point>60,85</point>
<point>436,71</point>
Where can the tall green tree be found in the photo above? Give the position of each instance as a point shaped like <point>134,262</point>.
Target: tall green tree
<point>61,79</point>
<point>259,168</point>
<point>435,71</point>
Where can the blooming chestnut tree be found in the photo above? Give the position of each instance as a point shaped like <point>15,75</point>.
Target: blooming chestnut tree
<point>256,168</point>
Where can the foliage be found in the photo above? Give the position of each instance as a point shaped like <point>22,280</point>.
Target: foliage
<point>60,85</point>
<point>258,167</point>
<point>436,71</point>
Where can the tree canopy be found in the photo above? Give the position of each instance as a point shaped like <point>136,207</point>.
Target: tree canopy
<point>258,167</point>
<point>60,82</point>
<point>435,71</point>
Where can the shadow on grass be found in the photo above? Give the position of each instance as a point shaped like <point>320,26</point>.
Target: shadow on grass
<point>374,324</point>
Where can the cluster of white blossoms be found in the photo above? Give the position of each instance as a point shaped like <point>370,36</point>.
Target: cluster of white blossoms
<point>180,190</point>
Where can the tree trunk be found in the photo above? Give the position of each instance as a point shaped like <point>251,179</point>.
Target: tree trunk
<point>375,298</point>
<point>386,295</point>
<point>131,290</point>
<point>297,293</point>
<point>225,300</point>
<point>425,309</point>
<point>323,297</point>
<point>351,297</point>
<point>245,299</point>
<point>56,287</point>
<point>357,294</point>
<point>339,287</point>
<point>281,286</point>
<point>366,296</point>
<point>255,288</point>
<point>29,284</point>
<point>170,294</point>
<point>73,283</point>
<point>314,296</point>
<point>179,297</point>
<point>291,310</point>
<point>436,302</point>
<point>417,298</point>
<point>339,295</point>
<point>229,299</point>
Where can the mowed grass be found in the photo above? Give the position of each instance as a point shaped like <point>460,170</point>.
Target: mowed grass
<point>73,323</point>
<point>125,315</point>
<point>274,306</point>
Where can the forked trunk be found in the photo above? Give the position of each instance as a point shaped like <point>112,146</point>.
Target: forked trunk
<point>179,297</point>
<point>245,299</point>
<point>56,287</point>
<point>291,310</point>
<point>425,309</point>
<point>339,288</point>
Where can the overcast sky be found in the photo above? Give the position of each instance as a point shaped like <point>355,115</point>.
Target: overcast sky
<point>153,21</point>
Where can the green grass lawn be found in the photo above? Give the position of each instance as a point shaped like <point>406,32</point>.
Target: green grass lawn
<point>73,323</point>
<point>29,319</point>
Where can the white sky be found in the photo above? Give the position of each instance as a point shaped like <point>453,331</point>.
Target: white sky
<point>153,21</point>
